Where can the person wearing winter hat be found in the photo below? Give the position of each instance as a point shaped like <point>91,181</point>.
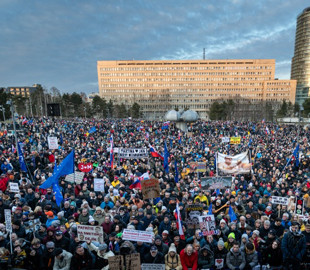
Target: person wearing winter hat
<point>102,254</point>
<point>172,259</point>
<point>230,241</point>
<point>220,253</point>
<point>62,259</point>
<point>49,256</point>
<point>162,248</point>
<point>244,241</point>
<point>205,258</point>
<point>154,256</point>
<point>251,256</point>
<point>61,241</point>
<point>50,218</point>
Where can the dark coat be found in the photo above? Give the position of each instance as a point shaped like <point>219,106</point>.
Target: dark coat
<point>293,246</point>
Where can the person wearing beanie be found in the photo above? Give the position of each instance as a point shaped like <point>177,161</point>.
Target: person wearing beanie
<point>189,258</point>
<point>102,254</point>
<point>172,259</point>
<point>205,258</point>
<point>162,248</point>
<point>244,241</point>
<point>220,254</point>
<point>62,259</point>
<point>230,241</point>
<point>98,215</point>
<point>154,256</point>
<point>60,217</point>
<point>61,241</point>
<point>235,258</point>
<point>251,256</point>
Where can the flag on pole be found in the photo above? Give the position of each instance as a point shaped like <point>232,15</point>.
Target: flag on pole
<point>22,163</point>
<point>296,155</point>
<point>111,152</point>
<point>136,184</point>
<point>179,138</point>
<point>210,209</point>
<point>203,146</point>
<point>154,153</point>
<point>13,149</point>
<point>178,218</point>
<point>176,175</point>
<point>166,157</point>
<point>166,125</point>
<point>232,214</point>
<point>92,130</point>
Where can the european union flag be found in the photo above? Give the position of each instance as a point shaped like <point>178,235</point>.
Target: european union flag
<point>296,155</point>
<point>166,157</point>
<point>92,130</point>
<point>61,139</point>
<point>58,196</point>
<point>210,209</point>
<point>22,163</point>
<point>232,214</point>
<point>66,167</point>
<point>176,176</point>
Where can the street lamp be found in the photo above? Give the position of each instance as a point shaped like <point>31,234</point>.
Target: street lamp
<point>2,108</point>
<point>9,102</point>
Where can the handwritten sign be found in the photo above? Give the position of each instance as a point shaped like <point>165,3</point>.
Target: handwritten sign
<point>90,233</point>
<point>225,139</point>
<point>150,189</point>
<point>76,177</point>
<point>235,140</point>
<point>135,235</point>
<point>152,266</point>
<point>85,167</point>
<point>279,200</point>
<point>14,187</point>
<point>99,184</point>
<point>52,142</point>
<point>8,220</point>
<point>201,167</point>
<point>132,262</point>
<point>207,225</point>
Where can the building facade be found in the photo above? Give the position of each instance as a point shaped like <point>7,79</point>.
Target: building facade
<point>23,91</point>
<point>160,85</point>
<point>300,70</point>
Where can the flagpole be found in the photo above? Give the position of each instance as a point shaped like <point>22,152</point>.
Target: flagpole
<point>216,161</point>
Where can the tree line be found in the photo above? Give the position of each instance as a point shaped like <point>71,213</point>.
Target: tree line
<point>71,105</point>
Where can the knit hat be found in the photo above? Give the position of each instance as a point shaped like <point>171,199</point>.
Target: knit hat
<point>98,208</point>
<point>232,235</point>
<point>256,232</point>
<point>172,248</point>
<point>58,251</point>
<point>220,242</point>
<point>222,221</point>
<point>245,236</point>
<point>90,219</point>
<point>49,213</point>
<point>50,244</point>
<point>103,247</point>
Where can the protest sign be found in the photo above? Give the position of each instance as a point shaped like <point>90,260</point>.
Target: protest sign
<point>115,149</point>
<point>233,164</point>
<point>136,235</point>
<point>150,188</point>
<point>207,225</point>
<point>225,139</point>
<point>8,220</point>
<point>201,167</point>
<point>76,177</point>
<point>85,167</point>
<point>219,182</point>
<point>152,266</point>
<point>235,140</point>
<point>90,233</point>
<point>52,143</point>
<point>14,187</point>
<point>98,184</point>
<point>193,166</point>
<point>133,153</point>
<point>279,200</point>
<point>193,212</point>
<point>32,225</point>
<point>219,263</point>
<point>132,262</point>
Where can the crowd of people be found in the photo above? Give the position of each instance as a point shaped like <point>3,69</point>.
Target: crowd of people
<point>264,235</point>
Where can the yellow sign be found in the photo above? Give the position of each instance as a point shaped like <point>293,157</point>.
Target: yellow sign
<point>235,140</point>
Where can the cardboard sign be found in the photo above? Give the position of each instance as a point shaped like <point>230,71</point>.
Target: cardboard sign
<point>133,153</point>
<point>132,262</point>
<point>85,167</point>
<point>90,233</point>
<point>150,188</point>
<point>215,182</point>
<point>52,143</point>
<point>99,184</point>
<point>201,167</point>
<point>8,220</point>
<point>135,235</point>
<point>14,187</point>
<point>225,139</point>
<point>279,200</point>
<point>193,212</point>
<point>76,177</point>
<point>235,140</point>
<point>207,225</point>
<point>193,166</point>
<point>152,266</point>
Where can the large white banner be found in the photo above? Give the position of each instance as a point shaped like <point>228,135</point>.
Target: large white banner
<point>133,153</point>
<point>238,164</point>
<point>90,233</point>
<point>135,235</point>
<point>279,200</point>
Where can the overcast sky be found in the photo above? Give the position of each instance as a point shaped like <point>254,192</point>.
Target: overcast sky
<point>58,42</point>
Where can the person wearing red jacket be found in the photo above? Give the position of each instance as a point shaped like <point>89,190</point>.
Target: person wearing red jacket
<point>189,258</point>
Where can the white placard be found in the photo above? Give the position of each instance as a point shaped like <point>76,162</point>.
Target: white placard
<point>279,200</point>
<point>115,149</point>
<point>98,184</point>
<point>8,220</point>
<point>77,176</point>
<point>152,266</point>
<point>52,143</point>
<point>133,153</point>
<point>135,235</point>
<point>207,225</point>
<point>225,139</point>
<point>90,233</point>
<point>14,187</point>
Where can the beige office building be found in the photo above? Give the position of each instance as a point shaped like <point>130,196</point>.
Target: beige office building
<point>159,86</point>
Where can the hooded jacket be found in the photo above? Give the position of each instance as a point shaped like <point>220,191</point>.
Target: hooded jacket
<point>173,262</point>
<point>189,261</point>
<point>235,259</point>
<point>64,263</point>
<point>205,262</point>
<point>251,258</point>
<point>102,259</point>
<point>293,245</point>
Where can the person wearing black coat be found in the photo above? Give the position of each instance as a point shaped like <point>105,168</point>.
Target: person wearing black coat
<point>143,249</point>
<point>154,256</point>
<point>220,254</point>
<point>61,241</point>
<point>81,260</point>
<point>205,258</point>
<point>273,255</point>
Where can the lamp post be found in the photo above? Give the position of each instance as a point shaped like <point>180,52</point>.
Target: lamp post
<point>9,102</point>
<point>2,108</point>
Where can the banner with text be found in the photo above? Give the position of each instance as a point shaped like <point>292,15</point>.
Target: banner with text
<point>90,233</point>
<point>279,200</point>
<point>235,140</point>
<point>207,225</point>
<point>52,143</point>
<point>238,164</point>
<point>133,153</point>
<point>136,235</point>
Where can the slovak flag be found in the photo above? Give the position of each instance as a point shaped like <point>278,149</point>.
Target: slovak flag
<point>13,149</point>
<point>267,131</point>
<point>136,184</point>
<point>24,121</point>
<point>154,153</point>
<point>178,218</point>
<point>111,152</point>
